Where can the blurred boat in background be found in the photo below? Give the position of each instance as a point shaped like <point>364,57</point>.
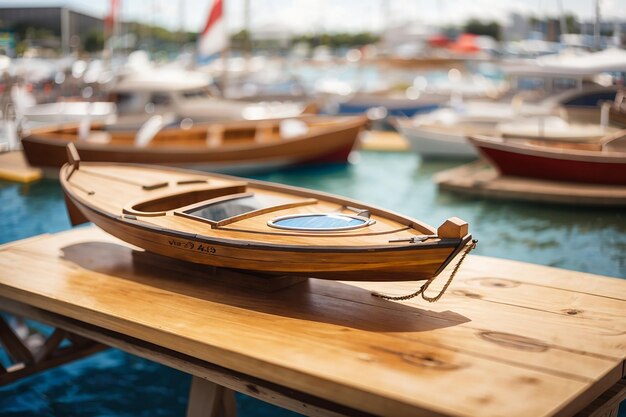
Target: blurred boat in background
<point>186,94</point>
<point>398,97</point>
<point>70,111</point>
<point>553,128</point>
<point>602,162</point>
<point>443,132</point>
<point>449,138</point>
<point>236,146</point>
<point>580,82</point>
<point>545,88</point>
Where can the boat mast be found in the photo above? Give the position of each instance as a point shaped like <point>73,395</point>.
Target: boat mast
<point>65,30</point>
<point>247,46</point>
<point>562,21</point>
<point>225,51</point>
<point>182,36</point>
<point>596,26</point>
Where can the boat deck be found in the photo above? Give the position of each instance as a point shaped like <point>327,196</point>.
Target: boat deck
<point>508,338</point>
<point>13,167</point>
<point>478,178</point>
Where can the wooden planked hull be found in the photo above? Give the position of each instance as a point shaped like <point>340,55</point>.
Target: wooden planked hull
<point>325,264</point>
<point>331,145</point>
<point>554,164</point>
<point>371,254</point>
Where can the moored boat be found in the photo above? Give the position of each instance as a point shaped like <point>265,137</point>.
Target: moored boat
<point>242,146</point>
<point>394,105</point>
<point>443,134</point>
<point>603,162</point>
<point>224,221</point>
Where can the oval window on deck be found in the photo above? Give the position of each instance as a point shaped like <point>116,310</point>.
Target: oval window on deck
<point>322,222</point>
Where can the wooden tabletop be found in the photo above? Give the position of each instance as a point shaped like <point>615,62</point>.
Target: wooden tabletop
<point>508,339</point>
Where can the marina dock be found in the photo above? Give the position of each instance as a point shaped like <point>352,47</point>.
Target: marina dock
<point>480,179</point>
<point>383,141</point>
<point>13,167</point>
<point>508,338</point>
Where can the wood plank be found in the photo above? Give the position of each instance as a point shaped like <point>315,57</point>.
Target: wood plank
<point>383,141</point>
<point>51,344</point>
<point>13,167</point>
<point>205,398</point>
<point>480,179</point>
<point>288,398</point>
<point>378,356</point>
<point>607,404</point>
<point>14,346</point>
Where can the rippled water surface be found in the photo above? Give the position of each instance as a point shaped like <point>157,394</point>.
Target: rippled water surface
<point>115,383</point>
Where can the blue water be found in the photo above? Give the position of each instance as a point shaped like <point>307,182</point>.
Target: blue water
<point>113,383</point>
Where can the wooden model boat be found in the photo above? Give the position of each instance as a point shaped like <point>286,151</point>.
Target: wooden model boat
<point>603,162</point>
<point>224,221</point>
<point>228,146</point>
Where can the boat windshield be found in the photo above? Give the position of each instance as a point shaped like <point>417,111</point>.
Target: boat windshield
<point>225,209</point>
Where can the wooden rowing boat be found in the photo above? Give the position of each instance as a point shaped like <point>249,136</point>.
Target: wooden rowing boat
<point>241,146</point>
<point>603,162</point>
<point>224,221</point>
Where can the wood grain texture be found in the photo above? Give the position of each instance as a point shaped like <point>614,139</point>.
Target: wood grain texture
<point>510,339</point>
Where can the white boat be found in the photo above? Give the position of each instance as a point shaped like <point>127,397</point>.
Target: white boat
<point>70,111</point>
<point>571,87</point>
<point>444,133</point>
<point>186,94</point>
<point>553,128</point>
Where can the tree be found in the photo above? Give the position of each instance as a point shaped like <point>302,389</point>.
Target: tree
<point>478,27</point>
<point>571,24</point>
<point>94,41</point>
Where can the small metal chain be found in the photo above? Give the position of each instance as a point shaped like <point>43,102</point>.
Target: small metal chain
<point>424,287</point>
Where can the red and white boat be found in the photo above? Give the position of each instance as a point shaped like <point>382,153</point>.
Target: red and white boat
<point>603,162</point>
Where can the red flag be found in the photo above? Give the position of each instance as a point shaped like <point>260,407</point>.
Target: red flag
<point>214,37</point>
<point>111,18</point>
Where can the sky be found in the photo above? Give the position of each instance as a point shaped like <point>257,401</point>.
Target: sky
<point>311,16</point>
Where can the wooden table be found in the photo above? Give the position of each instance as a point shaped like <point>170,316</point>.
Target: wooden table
<point>508,339</point>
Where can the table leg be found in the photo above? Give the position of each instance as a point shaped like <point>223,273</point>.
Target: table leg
<point>207,399</point>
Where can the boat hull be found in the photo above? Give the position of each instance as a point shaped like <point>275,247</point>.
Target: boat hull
<point>553,165</point>
<point>330,147</point>
<point>335,263</point>
<point>436,145</point>
<point>407,110</point>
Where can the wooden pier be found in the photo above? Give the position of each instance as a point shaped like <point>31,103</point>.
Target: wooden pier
<point>508,338</point>
<point>383,141</point>
<point>480,179</point>
<point>13,167</point>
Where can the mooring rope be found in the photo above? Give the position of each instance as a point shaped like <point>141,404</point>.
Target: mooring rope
<point>424,287</point>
